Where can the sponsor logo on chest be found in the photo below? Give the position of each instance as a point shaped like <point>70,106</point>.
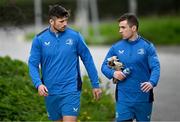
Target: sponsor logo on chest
<point>140,51</point>
<point>69,41</point>
<point>121,51</point>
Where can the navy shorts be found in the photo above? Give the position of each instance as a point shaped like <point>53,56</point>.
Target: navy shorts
<point>139,111</point>
<point>58,106</point>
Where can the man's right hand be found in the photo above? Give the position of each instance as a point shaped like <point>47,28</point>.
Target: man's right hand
<point>118,75</point>
<point>42,90</point>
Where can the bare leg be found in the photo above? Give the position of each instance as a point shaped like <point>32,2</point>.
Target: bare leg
<point>69,119</point>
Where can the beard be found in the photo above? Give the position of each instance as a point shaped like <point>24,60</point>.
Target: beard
<point>59,29</point>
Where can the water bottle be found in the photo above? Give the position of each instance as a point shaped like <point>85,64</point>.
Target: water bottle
<point>126,72</point>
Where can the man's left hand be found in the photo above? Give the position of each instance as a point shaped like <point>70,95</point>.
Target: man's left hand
<point>146,86</point>
<point>97,92</point>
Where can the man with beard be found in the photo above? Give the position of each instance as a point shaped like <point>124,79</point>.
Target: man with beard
<point>57,50</point>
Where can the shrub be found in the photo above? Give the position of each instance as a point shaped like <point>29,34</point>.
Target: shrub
<point>102,110</point>
<point>19,100</point>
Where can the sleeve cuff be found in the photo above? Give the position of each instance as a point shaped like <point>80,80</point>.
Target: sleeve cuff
<point>95,85</point>
<point>37,85</point>
<point>153,84</point>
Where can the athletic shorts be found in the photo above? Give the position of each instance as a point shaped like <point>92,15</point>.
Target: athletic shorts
<point>58,106</point>
<point>138,111</point>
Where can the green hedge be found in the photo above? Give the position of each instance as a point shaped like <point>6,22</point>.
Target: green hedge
<point>19,101</point>
<point>159,30</point>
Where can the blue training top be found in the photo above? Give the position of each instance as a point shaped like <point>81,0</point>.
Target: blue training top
<point>139,55</point>
<point>58,56</point>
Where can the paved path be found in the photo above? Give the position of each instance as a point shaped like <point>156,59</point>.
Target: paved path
<point>167,94</point>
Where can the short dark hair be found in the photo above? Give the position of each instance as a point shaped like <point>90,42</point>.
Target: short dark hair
<point>58,11</point>
<point>131,19</point>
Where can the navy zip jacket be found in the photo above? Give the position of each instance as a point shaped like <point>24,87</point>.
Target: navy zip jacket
<point>57,58</point>
<point>140,56</point>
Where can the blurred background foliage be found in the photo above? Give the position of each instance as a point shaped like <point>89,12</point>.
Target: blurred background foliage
<point>17,12</point>
<point>19,100</point>
<point>159,19</point>
<point>164,30</point>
